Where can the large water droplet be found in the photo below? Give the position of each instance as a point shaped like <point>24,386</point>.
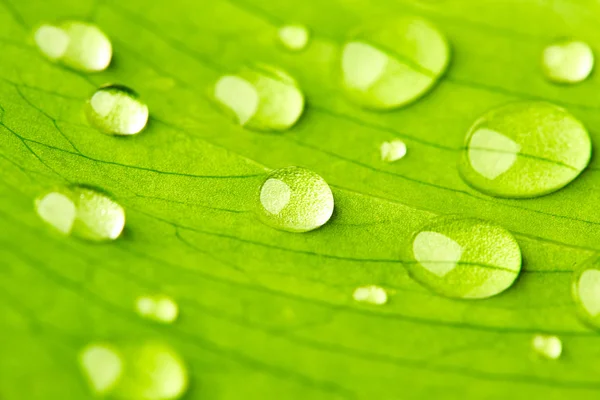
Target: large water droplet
<point>547,346</point>
<point>464,258</point>
<point>117,110</point>
<point>82,212</point>
<point>371,294</point>
<point>78,45</point>
<point>160,308</point>
<point>261,98</point>
<point>294,37</point>
<point>102,365</point>
<point>567,61</point>
<point>295,199</point>
<point>392,63</point>
<point>586,291</point>
<point>524,149</point>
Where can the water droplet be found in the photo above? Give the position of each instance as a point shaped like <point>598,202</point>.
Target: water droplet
<point>294,37</point>
<point>586,291</point>
<point>547,346</point>
<point>393,150</point>
<point>261,98</point>
<point>117,110</point>
<point>102,365</point>
<point>78,45</point>
<point>159,308</point>
<point>391,64</point>
<point>464,258</point>
<point>370,294</point>
<point>82,212</point>
<point>567,61</point>
<point>524,149</point>
<point>295,199</point>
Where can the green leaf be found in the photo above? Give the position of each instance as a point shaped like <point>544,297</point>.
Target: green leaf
<point>269,314</point>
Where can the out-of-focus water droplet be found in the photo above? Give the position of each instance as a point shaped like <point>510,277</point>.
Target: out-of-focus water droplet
<point>547,346</point>
<point>464,258</point>
<point>524,149</point>
<point>371,294</point>
<point>586,291</point>
<point>78,45</point>
<point>393,150</point>
<point>117,110</point>
<point>82,212</point>
<point>295,199</point>
<point>102,366</point>
<point>261,98</point>
<point>294,37</point>
<point>567,61</point>
<point>392,63</point>
<point>160,308</point>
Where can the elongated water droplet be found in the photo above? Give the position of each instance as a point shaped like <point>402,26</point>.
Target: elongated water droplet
<point>102,366</point>
<point>294,37</point>
<point>371,294</point>
<point>295,199</point>
<point>261,98</point>
<point>393,150</point>
<point>160,308</point>
<point>547,346</point>
<point>586,291</point>
<point>464,258</point>
<point>82,212</point>
<point>78,45</point>
<point>524,149</point>
<point>567,61</point>
<point>392,63</point>
<point>117,110</point>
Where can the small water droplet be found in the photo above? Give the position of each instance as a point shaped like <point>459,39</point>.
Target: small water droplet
<point>295,199</point>
<point>102,365</point>
<point>392,63</point>
<point>370,294</point>
<point>160,308</point>
<point>567,61</point>
<point>547,346</point>
<point>524,149</point>
<point>393,150</point>
<point>117,110</point>
<point>78,45</point>
<point>464,258</point>
<point>261,98</point>
<point>586,291</point>
<point>82,212</point>
<point>294,37</point>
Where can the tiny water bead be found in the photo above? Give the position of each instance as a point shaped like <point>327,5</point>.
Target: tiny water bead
<point>78,45</point>
<point>82,212</point>
<point>261,98</point>
<point>160,308</point>
<point>371,294</point>
<point>524,149</point>
<point>294,37</point>
<point>586,291</point>
<point>295,199</point>
<point>393,150</point>
<point>464,258</point>
<point>547,346</point>
<point>392,63</point>
<point>567,61</point>
<point>117,110</point>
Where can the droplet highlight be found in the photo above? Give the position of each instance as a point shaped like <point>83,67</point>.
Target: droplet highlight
<point>547,346</point>
<point>260,98</point>
<point>78,45</point>
<point>393,150</point>
<point>524,149</point>
<point>370,294</point>
<point>295,199</point>
<point>294,37</point>
<point>464,258</point>
<point>117,110</point>
<point>160,308</point>
<point>586,291</point>
<point>567,61</point>
<point>392,63</point>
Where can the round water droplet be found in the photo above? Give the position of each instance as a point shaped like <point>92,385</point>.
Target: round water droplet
<point>117,110</point>
<point>586,291</point>
<point>294,37</point>
<point>160,308</point>
<point>392,63</point>
<point>464,258</point>
<point>547,346</point>
<point>567,61</point>
<point>371,294</point>
<point>78,45</point>
<point>102,366</point>
<point>261,98</point>
<point>295,199</point>
<point>524,149</point>
<point>393,150</point>
<point>82,212</point>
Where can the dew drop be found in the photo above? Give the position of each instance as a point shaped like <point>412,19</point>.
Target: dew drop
<point>102,366</point>
<point>464,258</point>
<point>117,110</point>
<point>586,291</point>
<point>567,61</point>
<point>391,64</point>
<point>78,45</point>
<point>82,212</point>
<point>393,150</point>
<point>295,199</point>
<point>260,98</point>
<point>294,37</point>
<point>160,308</point>
<point>370,294</point>
<point>547,346</point>
<point>524,149</point>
